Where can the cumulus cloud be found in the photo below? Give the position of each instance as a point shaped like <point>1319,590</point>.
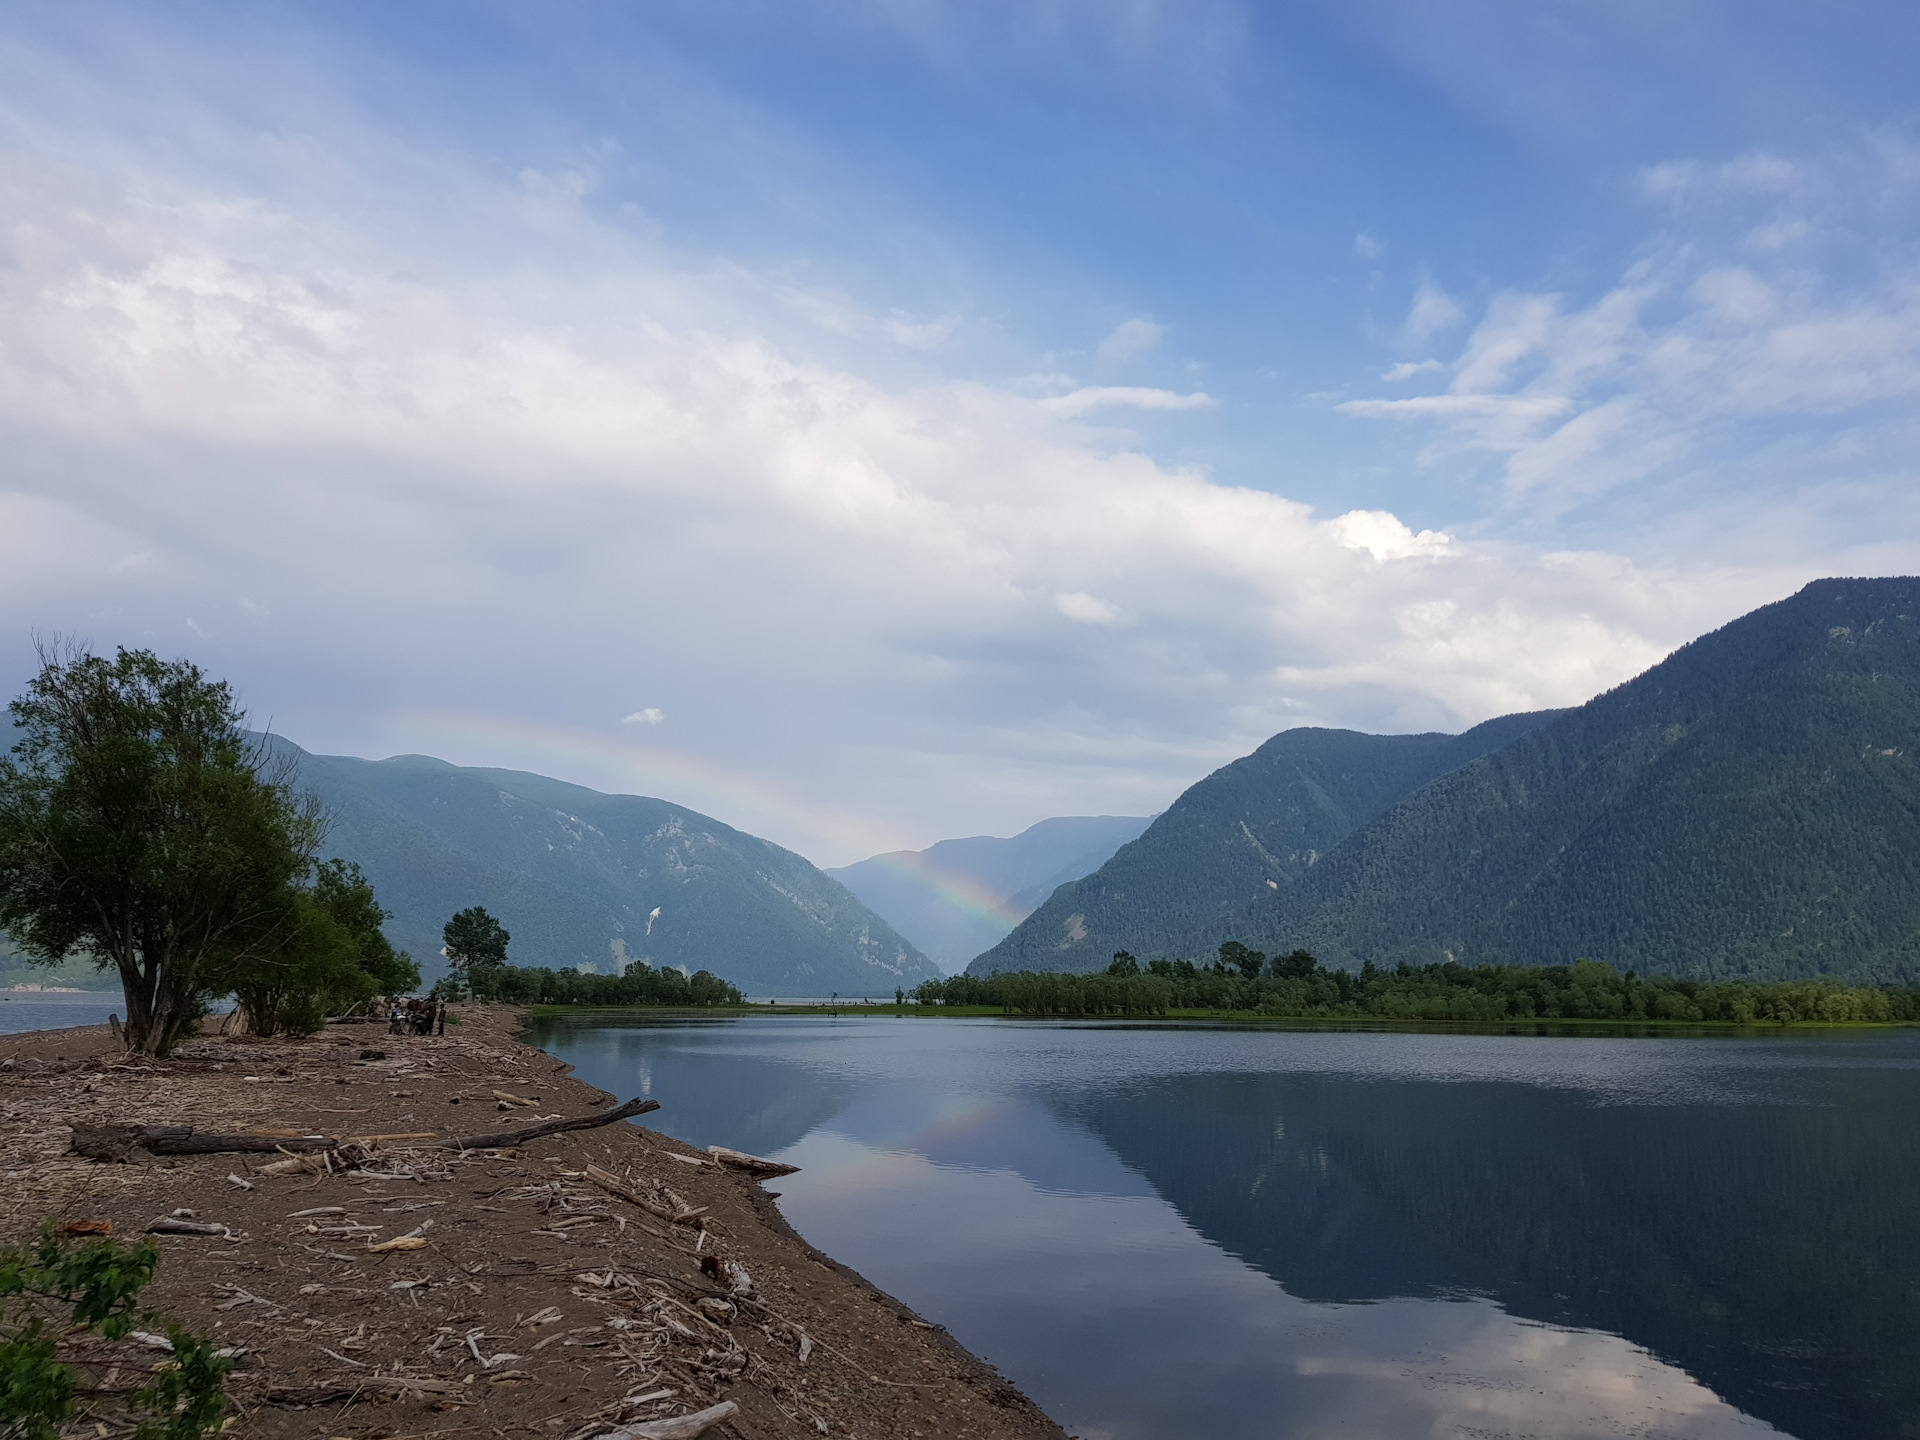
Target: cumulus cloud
<point>1136,397</point>
<point>652,715</point>
<point>463,497</point>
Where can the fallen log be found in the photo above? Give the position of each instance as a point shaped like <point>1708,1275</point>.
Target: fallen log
<point>740,1160</point>
<point>507,1139</point>
<point>167,1225</point>
<point>677,1427</point>
<point>118,1142</point>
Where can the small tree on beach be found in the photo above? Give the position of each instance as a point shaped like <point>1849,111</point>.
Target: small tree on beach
<point>141,826</point>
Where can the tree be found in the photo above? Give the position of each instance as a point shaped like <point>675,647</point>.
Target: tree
<point>141,827</point>
<point>1235,956</point>
<point>326,955</point>
<point>473,939</point>
<point>340,889</point>
<point>1123,964</point>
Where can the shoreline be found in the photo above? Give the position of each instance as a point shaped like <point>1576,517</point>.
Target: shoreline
<point>531,1298</point>
<point>1369,1024</point>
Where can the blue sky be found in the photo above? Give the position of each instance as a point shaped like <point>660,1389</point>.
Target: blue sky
<point>873,422</point>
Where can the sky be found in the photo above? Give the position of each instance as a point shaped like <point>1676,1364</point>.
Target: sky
<point>875,421</point>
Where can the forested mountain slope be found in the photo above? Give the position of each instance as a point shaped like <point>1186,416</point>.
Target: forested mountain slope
<point>957,897</point>
<point>1251,828</point>
<point>1748,807</point>
<point>580,877</point>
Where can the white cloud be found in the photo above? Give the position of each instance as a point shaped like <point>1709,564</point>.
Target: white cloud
<point>1708,356</point>
<point>1385,536</point>
<point>1368,247</point>
<point>1137,397</point>
<point>1078,605</point>
<point>652,715</point>
<point>468,496</point>
<point>1432,313</point>
<point>1128,341</point>
<point>1407,369</point>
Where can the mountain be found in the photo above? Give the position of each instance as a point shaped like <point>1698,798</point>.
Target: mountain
<point>1747,808</point>
<point>582,878</point>
<point>957,897</point>
<point>1253,827</point>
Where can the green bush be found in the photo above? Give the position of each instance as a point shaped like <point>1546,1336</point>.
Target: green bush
<point>51,1286</point>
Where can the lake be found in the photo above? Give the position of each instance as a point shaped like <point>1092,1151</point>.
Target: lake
<point>1164,1231</point>
<point>56,1009</point>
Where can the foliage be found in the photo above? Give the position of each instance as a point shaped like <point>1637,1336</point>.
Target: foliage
<point>328,957</point>
<point>344,892</point>
<point>1296,985</point>
<point>640,985</point>
<point>137,827</point>
<point>96,1283</point>
<point>473,939</point>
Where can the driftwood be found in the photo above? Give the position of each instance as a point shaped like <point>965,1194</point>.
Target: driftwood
<point>507,1139</point>
<point>168,1225</point>
<point>614,1185</point>
<point>740,1160</point>
<point>678,1427</point>
<point>118,1142</point>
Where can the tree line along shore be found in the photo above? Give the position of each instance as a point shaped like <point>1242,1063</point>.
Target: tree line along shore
<point>1296,986</point>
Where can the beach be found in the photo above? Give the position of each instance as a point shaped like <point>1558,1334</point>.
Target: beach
<point>393,1282</point>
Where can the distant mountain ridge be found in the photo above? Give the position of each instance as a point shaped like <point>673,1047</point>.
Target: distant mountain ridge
<point>584,878</point>
<point>1250,828</point>
<point>957,897</point>
<point>1749,807</point>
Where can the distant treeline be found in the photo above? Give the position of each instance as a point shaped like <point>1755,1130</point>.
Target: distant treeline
<point>1295,985</point>
<point>640,985</point>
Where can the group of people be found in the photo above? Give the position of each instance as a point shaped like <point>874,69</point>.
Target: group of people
<point>416,1017</point>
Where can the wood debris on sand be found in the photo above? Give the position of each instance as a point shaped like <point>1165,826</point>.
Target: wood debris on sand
<point>377,1269</point>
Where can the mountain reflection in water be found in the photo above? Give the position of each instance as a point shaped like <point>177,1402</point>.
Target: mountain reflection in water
<point>1164,1231</point>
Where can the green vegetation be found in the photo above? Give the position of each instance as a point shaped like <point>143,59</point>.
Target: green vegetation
<point>328,957</point>
<point>640,985</point>
<point>1749,809</point>
<point>142,829</point>
<point>55,1290</point>
<point>1295,986</point>
<point>473,939</point>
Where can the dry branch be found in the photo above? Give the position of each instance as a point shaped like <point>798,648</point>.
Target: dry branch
<point>740,1160</point>
<point>614,1185</point>
<point>507,1139</point>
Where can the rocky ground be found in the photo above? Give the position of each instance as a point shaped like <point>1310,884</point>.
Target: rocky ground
<point>597,1281</point>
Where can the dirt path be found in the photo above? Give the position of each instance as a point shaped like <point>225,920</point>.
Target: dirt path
<point>541,1302</point>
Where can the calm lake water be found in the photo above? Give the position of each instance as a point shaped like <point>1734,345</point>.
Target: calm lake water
<point>1171,1231</point>
<point>55,1010</point>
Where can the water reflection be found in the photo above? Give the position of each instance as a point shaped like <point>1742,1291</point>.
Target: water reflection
<point>1168,1232</point>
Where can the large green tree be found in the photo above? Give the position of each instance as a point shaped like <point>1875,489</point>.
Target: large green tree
<point>141,827</point>
<point>474,939</point>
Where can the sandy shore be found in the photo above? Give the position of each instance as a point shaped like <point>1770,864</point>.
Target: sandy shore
<point>543,1300</point>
